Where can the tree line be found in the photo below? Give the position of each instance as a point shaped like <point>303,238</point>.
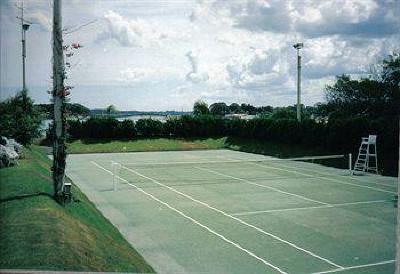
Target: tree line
<point>220,108</point>
<point>73,109</point>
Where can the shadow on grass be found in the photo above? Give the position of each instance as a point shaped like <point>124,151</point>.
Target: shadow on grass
<point>25,196</point>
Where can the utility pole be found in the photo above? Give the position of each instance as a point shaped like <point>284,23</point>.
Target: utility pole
<point>24,27</point>
<point>397,262</point>
<point>59,127</point>
<point>298,46</point>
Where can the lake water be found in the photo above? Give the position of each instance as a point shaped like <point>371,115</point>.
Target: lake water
<point>44,126</point>
<point>135,118</point>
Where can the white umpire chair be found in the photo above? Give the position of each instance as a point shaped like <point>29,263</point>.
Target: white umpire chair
<point>367,160</point>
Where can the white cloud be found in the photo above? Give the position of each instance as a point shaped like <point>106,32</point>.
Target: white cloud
<point>41,18</point>
<point>138,32</point>
<point>213,49</point>
<point>137,74</point>
<point>345,17</point>
<point>333,12</point>
<point>135,33</point>
<point>262,69</point>
<point>329,56</point>
<point>310,18</point>
<point>195,75</point>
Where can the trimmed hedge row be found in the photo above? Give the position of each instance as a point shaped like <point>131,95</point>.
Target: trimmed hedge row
<point>338,135</point>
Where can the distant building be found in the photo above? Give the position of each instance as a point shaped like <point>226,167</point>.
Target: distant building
<point>241,116</point>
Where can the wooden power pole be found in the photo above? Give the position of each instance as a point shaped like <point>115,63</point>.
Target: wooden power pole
<point>59,126</point>
<point>397,261</point>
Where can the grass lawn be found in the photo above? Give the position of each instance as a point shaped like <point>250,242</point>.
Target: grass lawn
<point>38,233</point>
<point>165,144</point>
<point>151,144</point>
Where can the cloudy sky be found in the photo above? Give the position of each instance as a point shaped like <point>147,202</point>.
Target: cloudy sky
<point>164,55</point>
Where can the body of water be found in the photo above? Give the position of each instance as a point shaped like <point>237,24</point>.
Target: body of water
<point>135,118</point>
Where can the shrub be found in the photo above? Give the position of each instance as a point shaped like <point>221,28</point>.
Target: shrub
<point>126,129</point>
<point>337,135</point>
<point>74,129</point>
<point>20,119</point>
<point>149,127</point>
<point>100,128</point>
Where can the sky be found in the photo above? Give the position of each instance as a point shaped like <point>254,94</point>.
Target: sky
<point>166,54</point>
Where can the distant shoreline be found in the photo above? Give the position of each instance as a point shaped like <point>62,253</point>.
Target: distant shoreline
<point>121,114</point>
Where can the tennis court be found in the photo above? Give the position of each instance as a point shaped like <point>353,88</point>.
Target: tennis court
<point>222,211</point>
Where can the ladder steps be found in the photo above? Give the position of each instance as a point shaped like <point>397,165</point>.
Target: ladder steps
<point>365,158</point>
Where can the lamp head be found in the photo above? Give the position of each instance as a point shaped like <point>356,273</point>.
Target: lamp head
<point>298,45</point>
<point>25,26</point>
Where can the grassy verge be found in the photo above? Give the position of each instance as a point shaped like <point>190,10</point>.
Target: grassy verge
<point>153,144</point>
<point>37,233</point>
<point>165,144</point>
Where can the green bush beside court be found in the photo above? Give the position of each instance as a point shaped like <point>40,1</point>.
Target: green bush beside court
<point>335,136</point>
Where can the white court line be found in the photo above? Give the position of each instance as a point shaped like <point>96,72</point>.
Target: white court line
<point>326,178</point>
<point>349,177</point>
<point>235,218</point>
<point>195,221</point>
<point>355,267</point>
<point>260,185</point>
<point>246,213</point>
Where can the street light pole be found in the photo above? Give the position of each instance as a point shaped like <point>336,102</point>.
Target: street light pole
<point>298,46</point>
<point>24,27</point>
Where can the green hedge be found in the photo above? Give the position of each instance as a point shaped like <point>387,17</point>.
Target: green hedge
<point>337,135</point>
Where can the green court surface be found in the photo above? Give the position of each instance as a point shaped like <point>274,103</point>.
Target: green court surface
<point>222,211</point>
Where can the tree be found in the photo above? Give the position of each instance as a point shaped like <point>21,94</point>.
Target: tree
<point>391,81</point>
<point>234,108</point>
<point>111,109</point>
<point>219,109</point>
<point>20,119</point>
<point>284,113</point>
<point>363,98</point>
<point>367,97</point>
<point>73,109</point>
<point>391,70</point>
<point>265,110</point>
<point>249,109</point>
<point>77,110</point>
<point>200,108</point>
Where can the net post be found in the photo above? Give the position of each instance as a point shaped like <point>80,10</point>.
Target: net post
<point>350,164</point>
